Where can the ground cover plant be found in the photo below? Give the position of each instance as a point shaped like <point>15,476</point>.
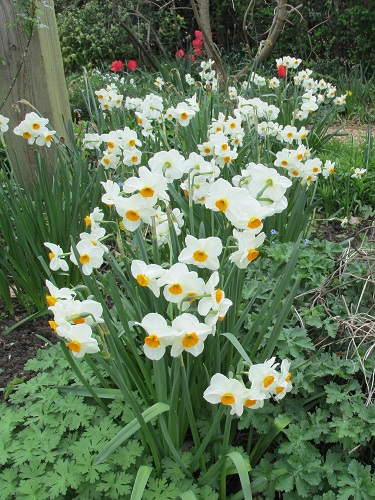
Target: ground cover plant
<point>180,331</point>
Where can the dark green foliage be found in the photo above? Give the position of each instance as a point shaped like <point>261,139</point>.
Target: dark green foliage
<point>330,36</point>
<point>91,37</point>
<point>48,442</point>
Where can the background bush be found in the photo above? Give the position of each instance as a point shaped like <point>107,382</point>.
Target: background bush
<point>330,35</point>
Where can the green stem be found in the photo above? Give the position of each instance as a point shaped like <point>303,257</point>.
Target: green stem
<point>208,437</point>
<point>224,451</point>
<point>77,371</point>
<point>189,411</point>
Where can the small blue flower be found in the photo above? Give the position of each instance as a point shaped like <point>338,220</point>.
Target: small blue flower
<point>273,231</point>
<point>120,184</point>
<point>307,241</point>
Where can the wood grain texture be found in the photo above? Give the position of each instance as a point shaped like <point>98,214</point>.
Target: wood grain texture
<point>33,70</point>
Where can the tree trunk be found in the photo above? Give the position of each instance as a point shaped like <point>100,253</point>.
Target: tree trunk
<point>201,9</point>
<point>33,72</point>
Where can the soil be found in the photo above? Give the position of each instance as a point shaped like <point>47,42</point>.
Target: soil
<point>17,347</point>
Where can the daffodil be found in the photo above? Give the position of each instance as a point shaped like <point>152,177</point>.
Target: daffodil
<point>56,257</point>
<point>80,340</point>
<point>147,275</point>
<point>90,256</point>
<point>134,210</point>
<point>229,392</point>
<point>56,294</point>
<point>180,284</point>
<point>264,377</point>
<point>149,185</point>
<point>190,335</point>
<point>171,164</point>
<point>158,337</point>
<point>202,252</point>
<point>4,123</point>
<point>112,192</point>
<point>248,242</point>
<point>283,383</point>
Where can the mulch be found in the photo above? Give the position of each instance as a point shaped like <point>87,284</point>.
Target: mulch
<point>17,347</point>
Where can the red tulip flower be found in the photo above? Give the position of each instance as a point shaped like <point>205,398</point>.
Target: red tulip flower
<point>191,57</point>
<point>117,66</point>
<point>198,52</point>
<point>198,35</point>
<point>197,43</point>
<point>281,71</point>
<point>180,54</point>
<point>132,65</point>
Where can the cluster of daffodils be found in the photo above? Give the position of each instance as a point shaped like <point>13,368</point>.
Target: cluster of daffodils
<point>34,129</point>
<point>89,250</point>
<point>121,147</point>
<point>266,382</point>
<point>109,97</point>
<point>315,92</point>
<point>148,112</point>
<point>207,75</point>
<point>183,112</point>
<point>185,334</point>
<point>74,320</point>
<point>299,164</point>
<point>184,287</point>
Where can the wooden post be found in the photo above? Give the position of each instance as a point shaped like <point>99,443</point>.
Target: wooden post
<point>33,71</point>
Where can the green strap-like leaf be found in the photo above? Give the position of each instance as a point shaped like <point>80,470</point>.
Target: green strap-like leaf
<point>241,467</point>
<point>243,473</point>
<point>264,442</point>
<point>140,482</point>
<point>81,391</point>
<point>238,346</point>
<point>130,429</point>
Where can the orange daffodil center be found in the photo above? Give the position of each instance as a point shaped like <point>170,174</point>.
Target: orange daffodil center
<point>200,256</point>
<point>74,345</point>
<point>227,398</point>
<point>190,339</point>
<point>222,204</point>
<point>152,341</point>
<point>175,289</point>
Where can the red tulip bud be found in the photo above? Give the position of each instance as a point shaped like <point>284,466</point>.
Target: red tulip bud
<point>117,66</point>
<point>132,65</point>
<point>197,43</point>
<point>281,71</point>
<point>198,35</point>
<point>180,54</point>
